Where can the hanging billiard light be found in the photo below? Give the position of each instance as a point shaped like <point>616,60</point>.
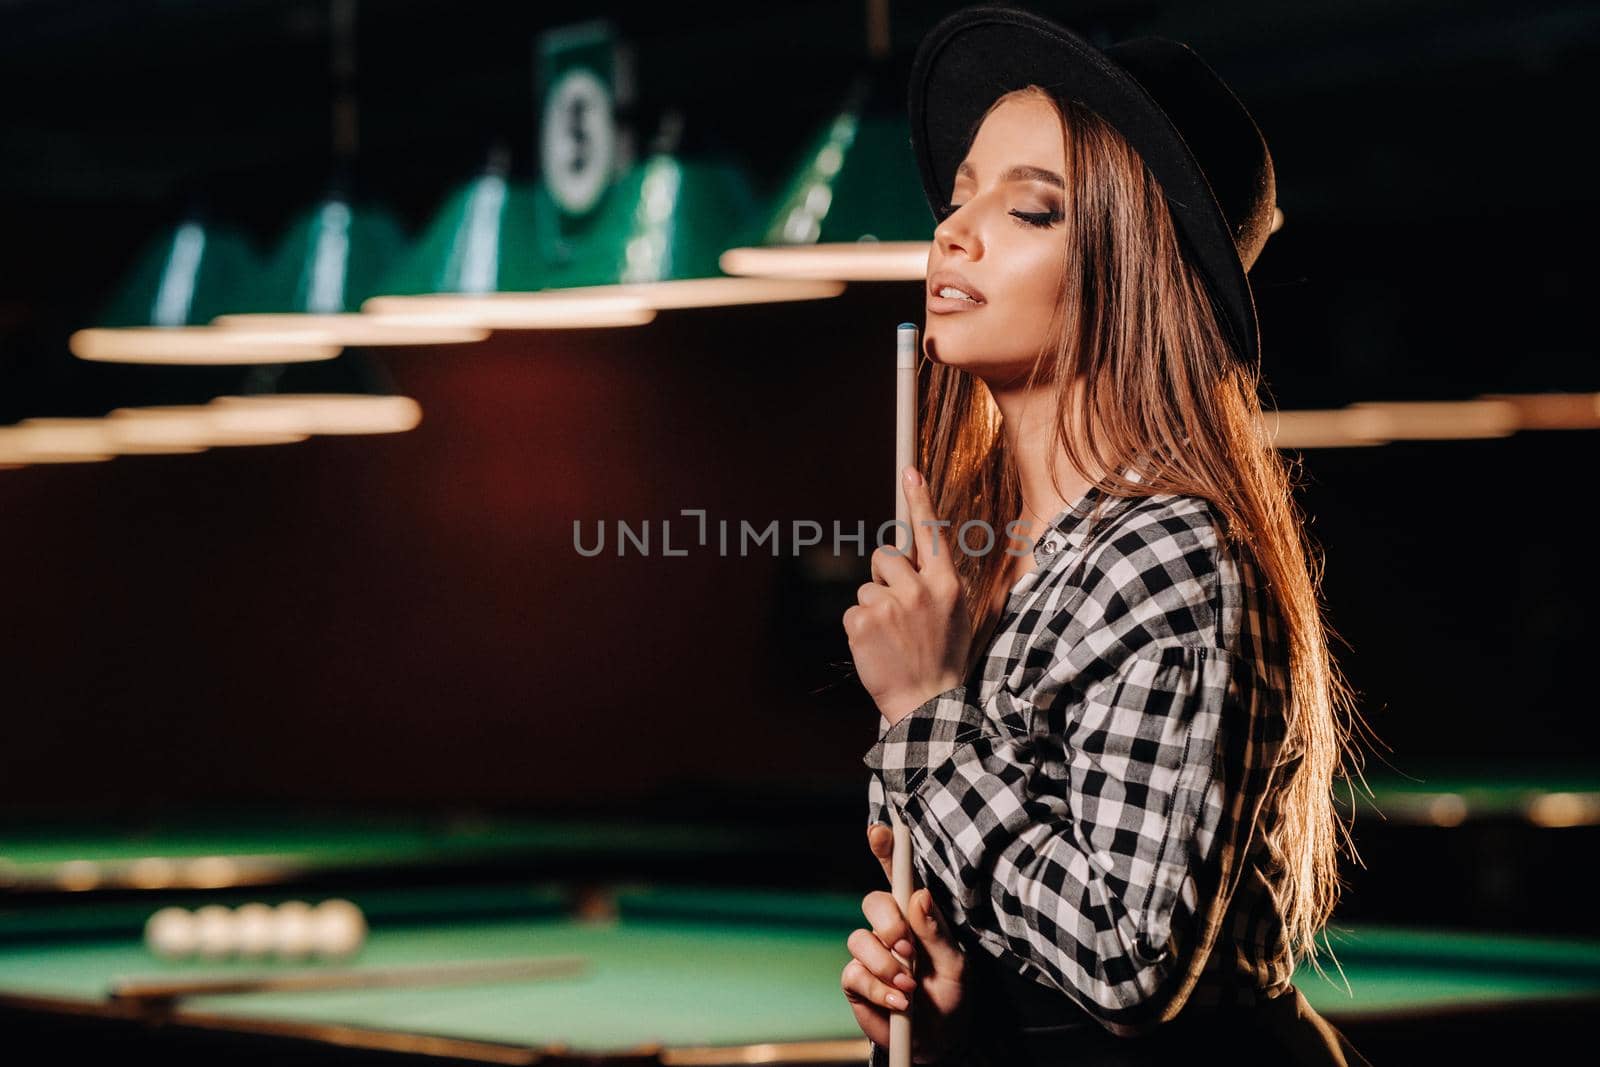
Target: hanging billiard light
<point>162,311</point>
<point>481,245</point>
<point>23,444</point>
<point>853,209</point>
<point>336,255</point>
<point>659,234</point>
<point>488,242</point>
<point>332,259</point>
<point>352,394</point>
<point>64,410</point>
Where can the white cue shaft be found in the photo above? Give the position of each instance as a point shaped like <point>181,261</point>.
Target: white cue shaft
<point>905,455</point>
<point>428,974</point>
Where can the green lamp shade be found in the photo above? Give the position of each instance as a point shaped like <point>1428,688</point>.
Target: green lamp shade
<point>480,246</point>
<point>177,285</point>
<point>663,219</point>
<point>481,241</point>
<point>660,232</point>
<point>183,278</point>
<point>333,258</point>
<point>853,210</point>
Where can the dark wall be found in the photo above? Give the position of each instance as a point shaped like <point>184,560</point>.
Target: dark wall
<point>1461,574</point>
<point>404,619</point>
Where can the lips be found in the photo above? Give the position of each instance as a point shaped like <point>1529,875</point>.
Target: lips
<point>948,279</point>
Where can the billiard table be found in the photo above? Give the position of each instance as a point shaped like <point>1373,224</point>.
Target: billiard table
<point>671,974</point>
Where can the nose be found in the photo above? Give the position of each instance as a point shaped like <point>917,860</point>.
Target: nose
<point>956,234</point>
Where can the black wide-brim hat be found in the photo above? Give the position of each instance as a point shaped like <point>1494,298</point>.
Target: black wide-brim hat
<point>1193,134</point>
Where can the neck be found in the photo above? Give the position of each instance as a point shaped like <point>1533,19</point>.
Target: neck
<point>1029,427</point>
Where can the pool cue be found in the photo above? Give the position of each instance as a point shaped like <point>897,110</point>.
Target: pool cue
<point>905,455</point>
<point>311,979</point>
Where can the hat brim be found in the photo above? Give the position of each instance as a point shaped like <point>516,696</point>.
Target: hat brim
<point>979,54</point>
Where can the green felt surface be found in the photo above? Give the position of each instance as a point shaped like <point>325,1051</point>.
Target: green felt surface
<point>1471,792</point>
<point>690,967</point>
<point>354,842</point>
<point>1398,969</point>
<point>1507,787</point>
<point>680,982</point>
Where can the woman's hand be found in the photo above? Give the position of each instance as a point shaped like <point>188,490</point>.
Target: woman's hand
<point>875,983</point>
<point>910,635</point>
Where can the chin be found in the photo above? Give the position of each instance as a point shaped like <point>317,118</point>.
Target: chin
<point>957,345</point>
<point>950,348</point>
<point>948,343</point>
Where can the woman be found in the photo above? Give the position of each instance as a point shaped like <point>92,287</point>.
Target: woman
<point>1114,742</point>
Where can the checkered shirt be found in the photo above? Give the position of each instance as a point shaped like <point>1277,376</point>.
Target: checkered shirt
<point>1090,806</point>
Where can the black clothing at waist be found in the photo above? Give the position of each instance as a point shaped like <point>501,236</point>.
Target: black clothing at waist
<point>1019,1021</point>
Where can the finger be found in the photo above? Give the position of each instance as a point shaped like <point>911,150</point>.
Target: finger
<point>860,985</point>
<point>869,593</point>
<point>873,1020</point>
<point>944,955</point>
<point>865,947</point>
<point>901,542</point>
<point>933,551</point>
<point>883,915</point>
<point>891,567</point>
<point>880,839</point>
<point>851,621</point>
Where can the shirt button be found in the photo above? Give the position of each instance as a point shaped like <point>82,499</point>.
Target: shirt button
<point>1051,545</point>
<point>1147,952</point>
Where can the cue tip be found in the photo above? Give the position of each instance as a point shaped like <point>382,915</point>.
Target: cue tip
<point>905,346</point>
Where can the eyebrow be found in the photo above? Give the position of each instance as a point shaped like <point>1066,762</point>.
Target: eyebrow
<point>1018,174</point>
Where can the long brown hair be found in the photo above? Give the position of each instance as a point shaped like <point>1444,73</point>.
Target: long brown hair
<point>1140,371</point>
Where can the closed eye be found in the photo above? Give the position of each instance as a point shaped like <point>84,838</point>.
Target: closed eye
<point>1042,219</point>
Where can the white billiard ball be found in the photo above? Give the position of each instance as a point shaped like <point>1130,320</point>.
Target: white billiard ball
<point>170,933</point>
<point>340,928</point>
<point>293,935</point>
<point>253,928</point>
<point>213,928</point>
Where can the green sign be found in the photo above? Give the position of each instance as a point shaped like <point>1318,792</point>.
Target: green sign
<point>582,77</point>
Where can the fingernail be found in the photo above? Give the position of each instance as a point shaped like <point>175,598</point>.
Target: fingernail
<point>913,477</point>
<point>904,948</point>
<point>896,1001</point>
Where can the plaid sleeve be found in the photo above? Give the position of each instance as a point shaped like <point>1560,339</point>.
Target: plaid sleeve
<point>877,809</point>
<point>1067,835</point>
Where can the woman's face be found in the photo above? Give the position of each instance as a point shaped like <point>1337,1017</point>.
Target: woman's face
<point>1003,244</point>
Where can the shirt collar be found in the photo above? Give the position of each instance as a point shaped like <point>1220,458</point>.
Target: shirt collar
<point>1067,528</point>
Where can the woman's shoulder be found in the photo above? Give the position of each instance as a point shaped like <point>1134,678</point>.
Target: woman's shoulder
<point>1131,523</point>
<point>1162,568</point>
